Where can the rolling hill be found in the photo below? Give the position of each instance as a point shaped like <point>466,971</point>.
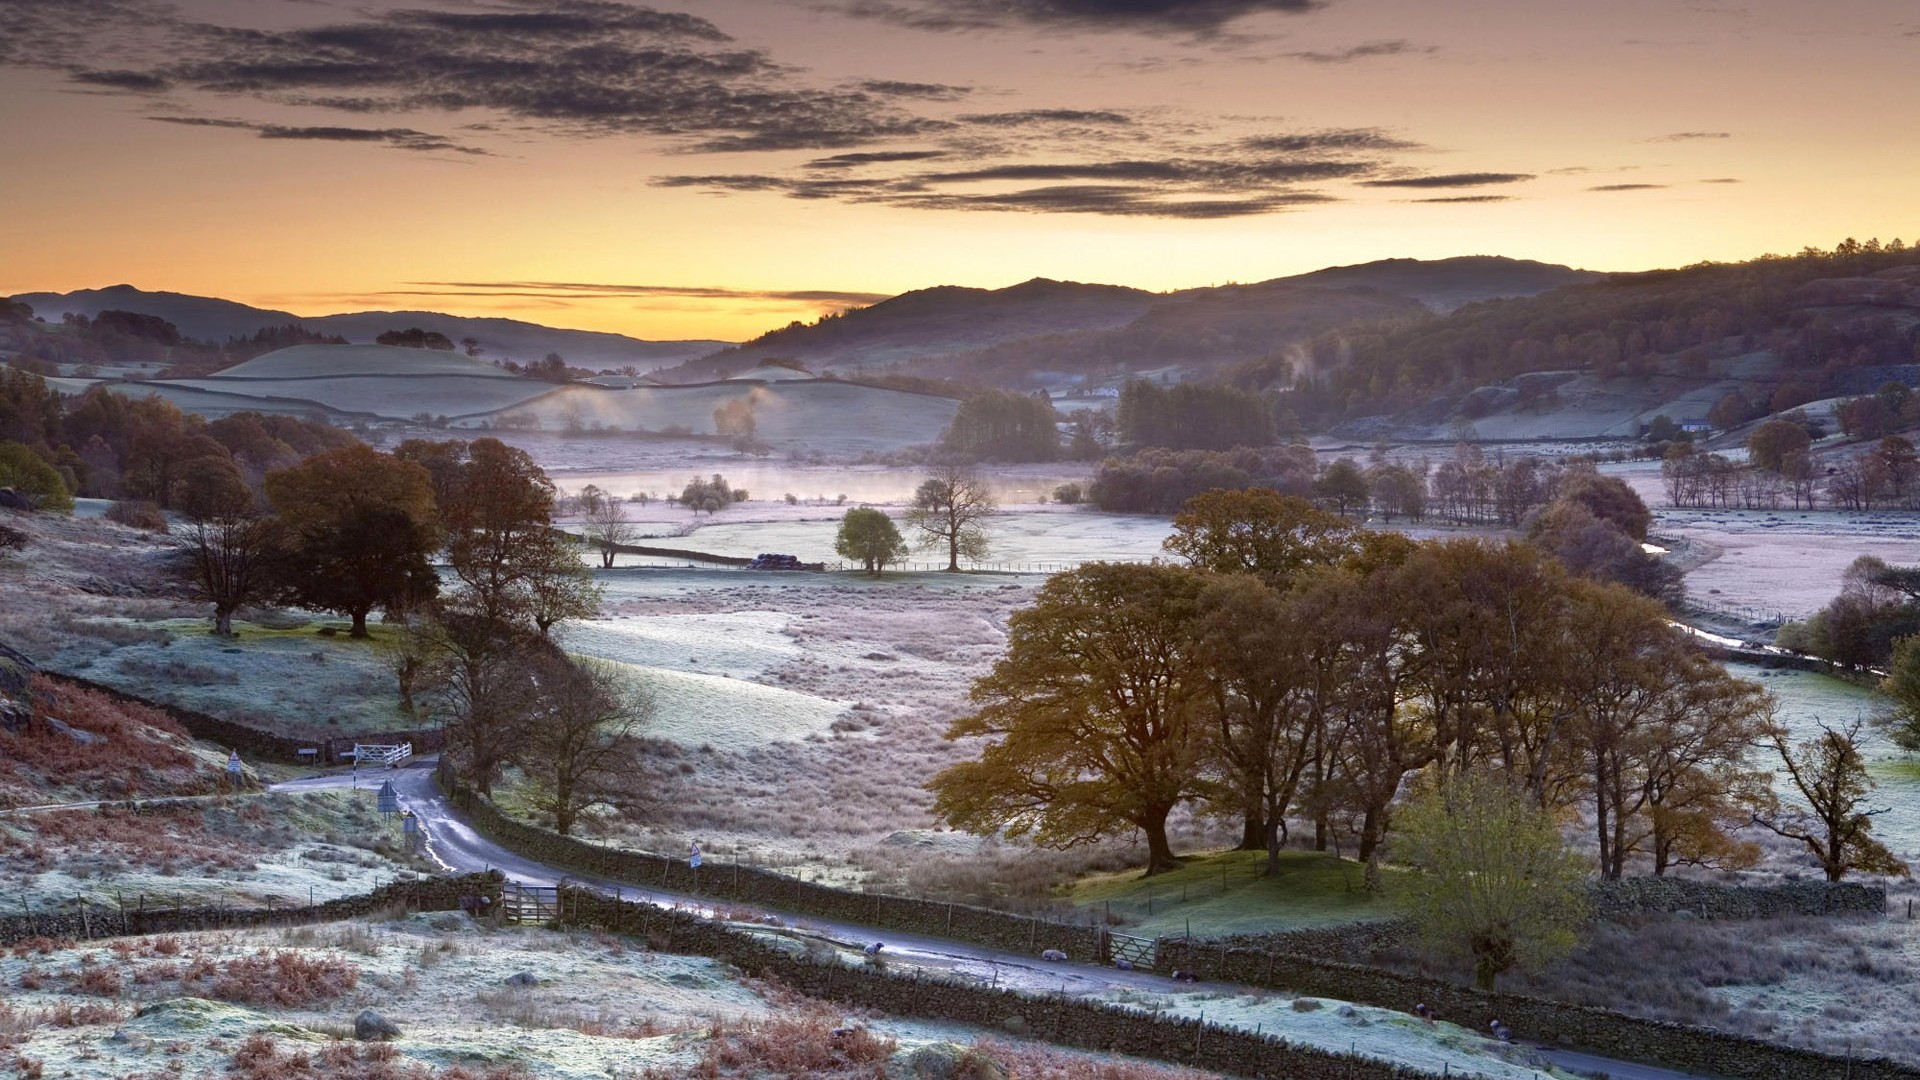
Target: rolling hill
<point>211,319</point>
<point>1044,332</point>
<point>347,383</point>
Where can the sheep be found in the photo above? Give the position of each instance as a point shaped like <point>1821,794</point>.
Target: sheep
<point>1054,955</point>
<point>1123,963</point>
<point>873,950</point>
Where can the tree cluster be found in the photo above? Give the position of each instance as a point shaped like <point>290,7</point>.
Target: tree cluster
<point>1002,426</point>
<point>712,494</point>
<point>1299,669</point>
<point>415,338</point>
<point>112,446</point>
<point>1192,416</point>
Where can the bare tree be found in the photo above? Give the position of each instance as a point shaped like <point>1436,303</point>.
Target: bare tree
<point>230,542</point>
<point>951,509</point>
<point>480,680</point>
<point>606,522</point>
<point>1836,826</point>
<point>584,742</point>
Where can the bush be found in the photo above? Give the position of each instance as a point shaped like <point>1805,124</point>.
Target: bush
<point>1068,494</point>
<point>28,473</point>
<point>283,979</point>
<point>137,514</point>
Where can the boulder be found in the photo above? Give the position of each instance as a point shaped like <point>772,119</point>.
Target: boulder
<point>84,738</point>
<point>16,696</point>
<point>15,500</point>
<point>523,978</point>
<point>370,1026</point>
<point>945,1061</point>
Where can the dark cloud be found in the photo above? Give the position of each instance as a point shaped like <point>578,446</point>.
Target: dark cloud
<point>1211,174</point>
<point>599,291</point>
<point>1451,180</point>
<point>1364,51</point>
<point>591,67</point>
<point>1337,139</point>
<point>1029,117</point>
<point>1722,180</point>
<point>1111,200</point>
<point>594,68</point>
<point>137,81</point>
<point>924,91</point>
<point>396,138</point>
<point>873,157</point>
<point>1189,18</point>
<point>1627,187</point>
<point>1692,136</point>
<point>1464,199</point>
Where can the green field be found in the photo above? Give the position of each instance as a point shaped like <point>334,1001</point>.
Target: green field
<point>1222,893</point>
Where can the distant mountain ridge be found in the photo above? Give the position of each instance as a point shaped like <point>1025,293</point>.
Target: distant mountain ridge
<point>1042,330</point>
<point>212,319</point>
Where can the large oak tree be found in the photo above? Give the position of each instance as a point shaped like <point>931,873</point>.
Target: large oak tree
<point>1092,718</point>
<point>361,526</point>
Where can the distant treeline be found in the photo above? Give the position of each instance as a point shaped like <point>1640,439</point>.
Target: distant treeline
<point>111,446</point>
<point>123,337</point>
<point>999,425</point>
<point>1625,325</point>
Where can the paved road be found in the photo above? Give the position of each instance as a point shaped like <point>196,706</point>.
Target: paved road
<point>456,847</point>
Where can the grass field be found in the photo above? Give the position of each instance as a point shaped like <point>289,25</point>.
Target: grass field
<point>441,394</point>
<point>286,678</point>
<point>831,416</point>
<point>1222,893</point>
<point>1055,537</point>
<point>1805,701</point>
<point>334,360</point>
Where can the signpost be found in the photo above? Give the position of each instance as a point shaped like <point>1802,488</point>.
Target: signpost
<point>233,770</point>
<point>388,800</point>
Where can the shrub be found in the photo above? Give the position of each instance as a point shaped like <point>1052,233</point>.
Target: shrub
<point>260,1058</point>
<point>283,979</point>
<point>137,514</point>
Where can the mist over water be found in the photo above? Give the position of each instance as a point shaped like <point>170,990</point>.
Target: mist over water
<point>873,484</point>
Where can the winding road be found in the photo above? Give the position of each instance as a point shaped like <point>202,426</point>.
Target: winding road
<point>454,845</point>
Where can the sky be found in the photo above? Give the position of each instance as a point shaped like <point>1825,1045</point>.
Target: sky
<point>719,168</point>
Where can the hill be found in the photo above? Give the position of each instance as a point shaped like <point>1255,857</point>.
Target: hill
<point>942,320</point>
<point>215,320</point>
<point>1738,340</point>
<point>328,361</point>
<point>1044,332</point>
<point>1447,284</point>
<point>345,383</point>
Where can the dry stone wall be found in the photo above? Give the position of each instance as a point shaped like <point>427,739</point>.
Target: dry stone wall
<point>85,923</point>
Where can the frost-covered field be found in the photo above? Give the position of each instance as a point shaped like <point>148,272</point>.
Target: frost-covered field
<point>398,397</point>
<point>1773,561</point>
<point>1021,536</point>
<point>285,677</point>
<point>545,1004</point>
<point>248,851</point>
<point>1805,701</point>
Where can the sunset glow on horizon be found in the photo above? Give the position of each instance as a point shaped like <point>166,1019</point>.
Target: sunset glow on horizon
<point>717,169</point>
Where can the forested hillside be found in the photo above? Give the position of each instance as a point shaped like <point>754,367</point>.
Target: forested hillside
<point>1820,314</point>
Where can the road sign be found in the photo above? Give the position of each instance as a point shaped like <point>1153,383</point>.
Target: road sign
<point>693,856</point>
<point>233,762</point>
<point>388,801</point>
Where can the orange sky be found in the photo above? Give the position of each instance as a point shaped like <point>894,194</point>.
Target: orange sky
<point>471,157</point>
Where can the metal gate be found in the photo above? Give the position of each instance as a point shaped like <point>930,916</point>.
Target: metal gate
<point>1138,951</point>
<point>530,904</point>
